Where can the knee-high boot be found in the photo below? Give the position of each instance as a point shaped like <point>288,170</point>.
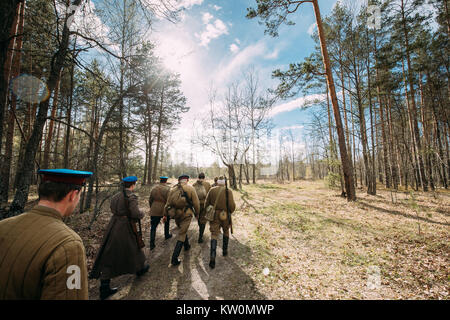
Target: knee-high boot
<point>176,253</point>
<point>167,235</point>
<point>212,262</point>
<point>152,236</point>
<point>187,246</point>
<point>225,245</point>
<point>105,289</point>
<point>201,230</point>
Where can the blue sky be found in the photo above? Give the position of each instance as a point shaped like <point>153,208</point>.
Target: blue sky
<point>215,43</point>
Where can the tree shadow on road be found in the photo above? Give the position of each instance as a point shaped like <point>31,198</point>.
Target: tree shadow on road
<point>398,213</point>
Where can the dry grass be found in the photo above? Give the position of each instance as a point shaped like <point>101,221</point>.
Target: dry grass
<point>318,246</point>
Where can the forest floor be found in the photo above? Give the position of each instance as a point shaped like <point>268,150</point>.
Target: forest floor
<point>299,241</point>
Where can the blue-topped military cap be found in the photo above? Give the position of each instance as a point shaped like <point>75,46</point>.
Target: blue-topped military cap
<point>65,176</point>
<point>164,177</point>
<point>130,179</point>
<point>183,176</point>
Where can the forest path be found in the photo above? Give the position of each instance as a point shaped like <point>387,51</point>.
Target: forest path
<point>302,241</point>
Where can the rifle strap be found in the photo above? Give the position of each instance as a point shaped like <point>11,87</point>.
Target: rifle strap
<point>185,195</point>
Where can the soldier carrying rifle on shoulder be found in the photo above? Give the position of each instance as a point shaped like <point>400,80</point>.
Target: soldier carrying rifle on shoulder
<point>219,205</point>
<point>121,251</point>
<point>182,204</point>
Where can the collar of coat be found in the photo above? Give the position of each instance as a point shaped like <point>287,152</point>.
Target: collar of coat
<point>47,211</point>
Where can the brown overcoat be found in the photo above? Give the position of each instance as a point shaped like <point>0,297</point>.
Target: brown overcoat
<point>158,199</point>
<point>119,253</point>
<point>37,250</point>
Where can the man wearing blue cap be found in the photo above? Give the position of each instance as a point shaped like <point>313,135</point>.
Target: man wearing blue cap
<point>120,252</point>
<point>157,201</point>
<point>182,204</point>
<point>40,256</point>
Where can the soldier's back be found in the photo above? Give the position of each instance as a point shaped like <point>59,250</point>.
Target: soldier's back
<point>215,192</point>
<point>36,248</point>
<point>158,199</point>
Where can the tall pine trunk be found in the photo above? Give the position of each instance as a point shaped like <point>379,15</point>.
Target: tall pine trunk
<point>346,164</point>
<point>15,71</point>
<point>413,109</point>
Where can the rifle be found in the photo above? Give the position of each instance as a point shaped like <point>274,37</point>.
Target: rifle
<point>137,232</point>
<point>190,205</point>
<point>230,222</point>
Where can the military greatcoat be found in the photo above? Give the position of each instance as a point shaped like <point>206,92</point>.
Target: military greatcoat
<point>119,253</point>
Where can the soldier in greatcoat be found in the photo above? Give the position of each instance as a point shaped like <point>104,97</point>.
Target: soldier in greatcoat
<point>182,204</point>
<point>201,187</point>
<point>157,201</point>
<point>119,253</point>
<point>221,217</point>
<point>40,256</point>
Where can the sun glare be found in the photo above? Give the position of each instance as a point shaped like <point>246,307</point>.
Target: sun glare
<point>176,55</point>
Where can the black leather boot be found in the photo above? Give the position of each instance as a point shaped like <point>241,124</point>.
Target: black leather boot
<point>176,253</point>
<point>187,246</point>
<point>167,235</point>
<point>212,262</point>
<point>201,230</point>
<point>225,245</point>
<point>105,289</point>
<point>152,237</point>
<point>143,270</point>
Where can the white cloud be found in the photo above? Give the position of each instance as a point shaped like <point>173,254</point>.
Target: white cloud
<point>312,28</point>
<point>211,32</point>
<point>187,4</point>
<point>207,17</point>
<point>297,103</point>
<point>216,7</point>
<point>243,58</point>
<point>295,127</point>
<point>234,48</point>
<point>273,55</point>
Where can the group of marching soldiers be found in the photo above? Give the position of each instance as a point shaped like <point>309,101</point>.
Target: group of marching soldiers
<point>42,258</point>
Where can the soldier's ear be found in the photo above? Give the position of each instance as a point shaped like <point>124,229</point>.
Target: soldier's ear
<point>73,194</point>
